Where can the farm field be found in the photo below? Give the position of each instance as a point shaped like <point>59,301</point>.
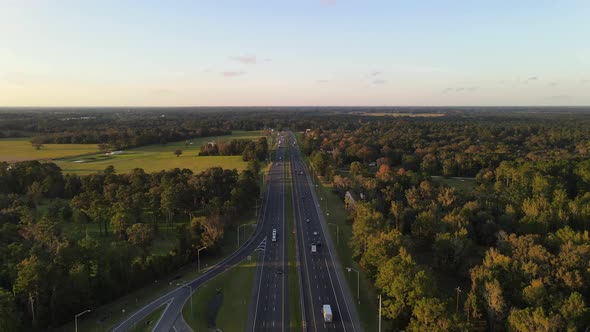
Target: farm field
<point>158,157</point>
<point>20,149</point>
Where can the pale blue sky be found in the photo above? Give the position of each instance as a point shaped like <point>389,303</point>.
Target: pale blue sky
<point>304,52</point>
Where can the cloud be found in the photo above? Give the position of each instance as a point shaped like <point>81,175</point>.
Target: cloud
<point>375,73</point>
<point>461,89</point>
<point>233,73</point>
<point>584,81</point>
<point>533,78</point>
<point>248,59</point>
<point>553,83</point>
<point>560,97</point>
<point>379,81</point>
<point>322,81</point>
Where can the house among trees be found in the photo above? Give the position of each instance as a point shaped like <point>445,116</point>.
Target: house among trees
<point>349,201</point>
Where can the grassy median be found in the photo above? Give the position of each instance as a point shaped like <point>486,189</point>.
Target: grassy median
<point>294,298</point>
<point>235,285</point>
<point>148,323</point>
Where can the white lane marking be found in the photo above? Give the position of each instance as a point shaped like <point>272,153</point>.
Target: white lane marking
<point>164,313</point>
<point>305,253</point>
<point>259,284</point>
<point>335,296</point>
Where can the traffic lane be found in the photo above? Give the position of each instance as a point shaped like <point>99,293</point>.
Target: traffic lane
<point>336,275</point>
<point>271,308</point>
<point>318,293</point>
<point>173,313</point>
<point>326,292</point>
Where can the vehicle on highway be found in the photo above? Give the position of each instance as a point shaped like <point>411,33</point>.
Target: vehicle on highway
<point>327,312</point>
<point>307,220</point>
<point>274,235</point>
<point>314,248</point>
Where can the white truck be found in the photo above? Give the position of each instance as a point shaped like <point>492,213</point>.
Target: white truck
<point>327,312</point>
<point>314,248</point>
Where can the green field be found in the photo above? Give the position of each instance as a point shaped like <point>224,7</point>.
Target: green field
<point>155,158</point>
<point>467,185</point>
<point>20,149</point>
<point>236,286</point>
<point>84,159</point>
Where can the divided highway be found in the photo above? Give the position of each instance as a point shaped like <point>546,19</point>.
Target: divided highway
<point>175,300</point>
<point>270,308</point>
<point>321,273</point>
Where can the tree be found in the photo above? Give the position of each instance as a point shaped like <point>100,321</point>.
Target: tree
<point>534,320</point>
<point>8,312</point>
<point>403,283</point>
<point>37,143</point>
<point>495,303</point>
<point>177,152</point>
<point>102,147</point>
<point>366,222</point>
<point>209,230</point>
<point>30,274</point>
<point>425,226</point>
<point>140,235</point>
<point>430,314</point>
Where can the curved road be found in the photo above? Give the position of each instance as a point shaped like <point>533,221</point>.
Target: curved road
<point>171,319</point>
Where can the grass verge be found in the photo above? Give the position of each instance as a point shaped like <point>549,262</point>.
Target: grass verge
<point>236,286</point>
<point>103,318</point>
<point>147,324</point>
<point>341,232</point>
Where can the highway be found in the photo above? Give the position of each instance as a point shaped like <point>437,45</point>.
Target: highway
<point>321,274</point>
<point>270,304</point>
<point>175,300</point>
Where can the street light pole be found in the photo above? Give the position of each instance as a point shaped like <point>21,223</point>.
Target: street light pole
<point>379,312</point>
<point>199,258</point>
<point>242,225</point>
<point>458,290</point>
<point>358,297</point>
<point>78,315</point>
<point>337,232</point>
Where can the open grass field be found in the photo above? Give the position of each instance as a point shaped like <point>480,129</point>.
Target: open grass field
<point>84,159</point>
<point>20,149</point>
<point>236,286</point>
<point>155,158</point>
<point>466,185</point>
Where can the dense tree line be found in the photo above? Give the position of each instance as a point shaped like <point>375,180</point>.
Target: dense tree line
<point>446,146</point>
<point>516,245</point>
<point>248,149</point>
<point>49,271</point>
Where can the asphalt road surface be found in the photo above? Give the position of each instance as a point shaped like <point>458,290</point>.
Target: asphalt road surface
<point>270,304</point>
<point>321,274</point>
<point>175,300</point>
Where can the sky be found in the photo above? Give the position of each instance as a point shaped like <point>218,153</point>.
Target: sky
<point>294,53</point>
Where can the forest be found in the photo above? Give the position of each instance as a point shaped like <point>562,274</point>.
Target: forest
<point>511,252</point>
